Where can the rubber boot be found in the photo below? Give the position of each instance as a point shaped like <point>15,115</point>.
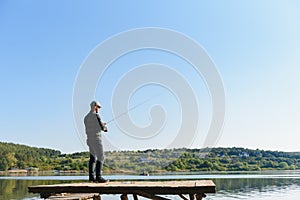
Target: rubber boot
<point>91,168</point>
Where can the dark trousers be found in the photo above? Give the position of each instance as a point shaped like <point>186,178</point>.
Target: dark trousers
<point>92,170</point>
<point>96,156</point>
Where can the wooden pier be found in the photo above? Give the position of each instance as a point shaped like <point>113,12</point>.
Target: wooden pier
<point>193,190</point>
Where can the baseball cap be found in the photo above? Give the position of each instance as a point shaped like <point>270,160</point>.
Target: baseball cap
<point>95,103</point>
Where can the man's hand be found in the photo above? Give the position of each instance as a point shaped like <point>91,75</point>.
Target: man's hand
<point>104,127</point>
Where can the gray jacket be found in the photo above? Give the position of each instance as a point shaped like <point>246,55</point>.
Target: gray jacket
<point>93,125</point>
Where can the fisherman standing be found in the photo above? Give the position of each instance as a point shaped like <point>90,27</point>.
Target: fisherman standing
<point>93,128</point>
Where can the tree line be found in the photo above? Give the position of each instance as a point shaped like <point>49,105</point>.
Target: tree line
<point>22,156</point>
<point>152,160</point>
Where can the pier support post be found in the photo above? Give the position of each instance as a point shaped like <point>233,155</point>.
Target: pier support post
<point>135,197</point>
<point>192,196</point>
<point>124,197</point>
<point>45,195</point>
<point>183,197</point>
<point>200,196</point>
<point>150,196</point>
<point>197,196</point>
<point>97,197</point>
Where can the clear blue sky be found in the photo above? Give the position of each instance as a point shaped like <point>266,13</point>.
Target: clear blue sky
<point>254,44</point>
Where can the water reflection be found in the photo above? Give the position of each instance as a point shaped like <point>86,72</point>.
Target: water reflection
<point>18,189</point>
<point>254,188</point>
<point>259,184</point>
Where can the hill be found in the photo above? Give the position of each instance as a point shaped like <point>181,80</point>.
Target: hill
<point>21,156</point>
<point>152,160</point>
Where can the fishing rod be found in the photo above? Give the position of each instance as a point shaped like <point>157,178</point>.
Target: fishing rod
<point>124,113</point>
<point>133,108</point>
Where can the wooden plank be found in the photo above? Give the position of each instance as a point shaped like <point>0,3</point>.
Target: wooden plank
<point>74,196</point>
<point>129,187</point>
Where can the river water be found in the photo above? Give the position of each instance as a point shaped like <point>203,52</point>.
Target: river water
<point>267,185</point>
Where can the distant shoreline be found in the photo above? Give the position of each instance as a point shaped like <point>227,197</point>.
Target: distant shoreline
<point>77,173</point>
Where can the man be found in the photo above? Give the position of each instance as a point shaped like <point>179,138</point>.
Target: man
<point>93,128</point>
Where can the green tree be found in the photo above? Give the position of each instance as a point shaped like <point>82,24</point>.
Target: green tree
<point>283,165</point>
<point>11,159</point>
